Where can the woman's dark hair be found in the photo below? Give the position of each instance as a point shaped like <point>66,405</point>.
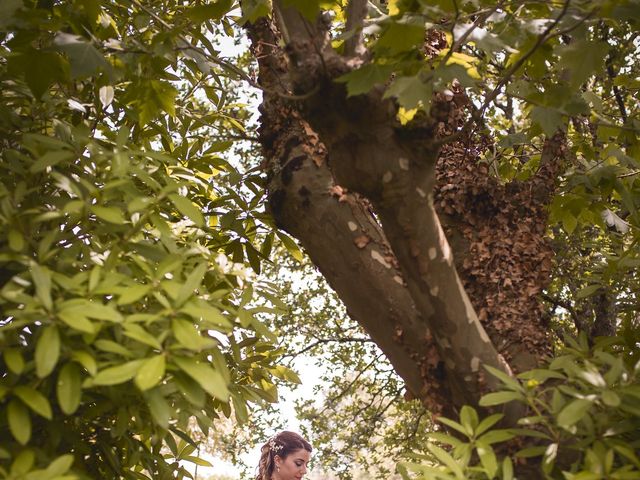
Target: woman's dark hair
<point>281,444</point>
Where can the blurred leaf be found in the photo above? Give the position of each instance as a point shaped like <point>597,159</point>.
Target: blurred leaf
<point>34,400</point>
<point>13,359</point>
<point>159,408</point>
<point>150,373</point>
<point>85,60</point>
<point>42,280</point>
<point>188,209</point>
<point>447,460</point>
<point>117,374</point>
<point>19,421</point>
<point>69,388</point>
<point>213,10</point>
<point>363,79</point>
<point>209,379</point>
<point>487,458</point>
<point>573,412</point>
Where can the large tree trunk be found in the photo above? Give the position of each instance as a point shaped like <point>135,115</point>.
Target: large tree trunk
<point>357,189</point>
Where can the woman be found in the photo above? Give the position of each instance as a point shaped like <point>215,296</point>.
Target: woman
<point>285,456</point>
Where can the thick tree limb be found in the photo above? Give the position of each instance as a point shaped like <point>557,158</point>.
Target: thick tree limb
<point>340,234</point>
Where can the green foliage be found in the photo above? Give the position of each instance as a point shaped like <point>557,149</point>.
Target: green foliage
<point>583,422</point>
<point>125,305</point>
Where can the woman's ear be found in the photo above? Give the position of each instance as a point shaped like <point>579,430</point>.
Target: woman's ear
<point>277,460</point>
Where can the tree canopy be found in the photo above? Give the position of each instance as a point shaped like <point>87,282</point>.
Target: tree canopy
<point>465,176</point>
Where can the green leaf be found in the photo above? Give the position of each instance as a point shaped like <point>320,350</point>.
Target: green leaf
<point>402,36</point>
<point>13,359</point>
<point>488,422</point>
<point>19,421</point>
<point>204,311</point>
<point>569,221</point>
<point>69,388</point>
<point>469,419</point>
<point>159,408</point>
<point>198,461</point>
<point>137,332</point>
<point>290,245</point>
<point>102,312</point>
<point>573,412</point>
<point>192,282</point>
<point>191,390</point>
<point>23,463</point>
<point>507,380</point>
<point>363,79</point>
<point>507,469</point>
<point>411,92</point>
<point>42,279</point>
<point>34,400</point>
<point>109,214</point>
<point>59,466</point>
<point>76,320</point>
<point>285,373</point>
<point>444,438</point>
<point>583,59</point>
<point>133,293</point>
<point>610,398</point>
<point>209,379</point>
<point>549,119</point>
<point>16,240</point>
<point>51,158</point>
<point>188,209</point>
<point>47,351</point>
<point>447,460</point>
<point>498,398</point>
<point>112,347</point>
<point>531,452</point>
<point>308,8</point>
<point>86,360</point>
<point>453,424</point>
<point>210,11</point>
<point>252,10</point>
<point>150,373</point>
<point>154,97</point>
<point>495,436</point>
<point>85,60</point>
<point>40,69</point>
<point>540,375</point>
<point>187,335</point>
<point>487,459</point>
<point>117,374</point>
<point>588,290</point>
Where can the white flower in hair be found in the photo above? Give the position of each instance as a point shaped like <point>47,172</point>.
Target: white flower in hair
<point>274,446</point>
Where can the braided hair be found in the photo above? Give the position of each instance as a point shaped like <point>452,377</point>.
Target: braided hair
<point>281,444</point>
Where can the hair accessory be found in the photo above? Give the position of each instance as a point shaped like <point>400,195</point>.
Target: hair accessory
<point>274,446</point>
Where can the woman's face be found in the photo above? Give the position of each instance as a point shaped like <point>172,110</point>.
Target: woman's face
<point>293,467</point>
